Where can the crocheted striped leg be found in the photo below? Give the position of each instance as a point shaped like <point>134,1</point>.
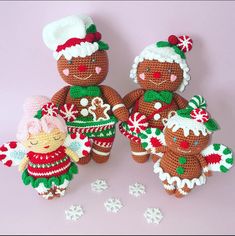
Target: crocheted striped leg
<point>181,192</point>
<point>170,188</point>
<point>46,193</point>
<point>60,189</point>
<point>100,154</point>
<point>139,154</point>
<point>84,160</point>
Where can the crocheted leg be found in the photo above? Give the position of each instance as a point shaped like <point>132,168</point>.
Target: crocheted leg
<point>181,192</point>
<point>170,188</point>
<point>100,154</point>
<point>60,189</point>
<point>139,154</point>
<point>46,193</point>
<point>84,160</point>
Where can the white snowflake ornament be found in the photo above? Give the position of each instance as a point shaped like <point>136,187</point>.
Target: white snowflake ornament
<point>99,186</point>
<point>113,205</point>
<point>136,189</point>
<point>74,213</point>
<point>153,215</point>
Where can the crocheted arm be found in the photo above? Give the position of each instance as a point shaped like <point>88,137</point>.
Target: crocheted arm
<point>23,164</point>
<point>116,102</point>
<point>204,165</point>
<point>131,97</point>
<point>181,102</point>
<point>72,155</point>
<point>60,97</point>
<point>162,149</point>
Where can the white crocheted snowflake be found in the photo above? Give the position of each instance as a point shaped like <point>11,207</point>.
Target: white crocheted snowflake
<point>99,186</point>
<point>74,213</point>
<point>153,215</point>
<point>113,205</point>
<point>136,189</point>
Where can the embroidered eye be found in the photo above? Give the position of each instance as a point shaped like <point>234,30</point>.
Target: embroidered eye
<point>148,69</point>
<point>169,71</point>
<point>175,139</point>
<point>57,138</point>
<point>34,142</point>
<point>70,62</point>
<point>195,143</point>
<point>93,60</point>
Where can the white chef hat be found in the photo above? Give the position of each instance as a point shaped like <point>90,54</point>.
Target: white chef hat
<point>73,36</point>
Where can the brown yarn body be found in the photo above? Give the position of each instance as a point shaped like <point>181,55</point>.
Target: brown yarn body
<point>195,162</point>
<point>108,94</point>
<point>148,67</point>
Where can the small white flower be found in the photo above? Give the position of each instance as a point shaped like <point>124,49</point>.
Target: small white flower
<point>74,212</point>
<point>99,186</point>
<point>136,189</point>
<point>153,215</point>
<point>113,205</point>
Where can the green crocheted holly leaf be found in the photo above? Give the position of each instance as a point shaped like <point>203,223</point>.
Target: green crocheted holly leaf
<point>184,113</point>
<point>103,45</point>
<point>91,29</point>
<point>163,44</point>
<point>178,51</point>
<point>211,125</point>
<point>39,114</point>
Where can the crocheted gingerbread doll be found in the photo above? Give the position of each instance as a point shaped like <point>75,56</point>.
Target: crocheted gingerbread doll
<point>160,70</point>
<point>187,156</point>
<point>82,62</point>
<point>44,153</point>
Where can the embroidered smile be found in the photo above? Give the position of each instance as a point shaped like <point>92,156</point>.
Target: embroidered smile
<point>185,151</point>
<point>157,83</point>
<point>82,78</point>
<point>46,147</point>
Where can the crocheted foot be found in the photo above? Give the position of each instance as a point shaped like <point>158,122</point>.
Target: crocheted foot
<point>139,154</point>
<point>169,188</point>
<point>84,160</point>
<point>49,195</point>
<point>100,154</point>
<point>59,192</point>
<point>182,192</point>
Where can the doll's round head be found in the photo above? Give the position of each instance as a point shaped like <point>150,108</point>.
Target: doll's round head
<point>78,49</point>
<point>162,66</point>
<point>84,71</point>
<point>41,134</point>
<point>188,131</point>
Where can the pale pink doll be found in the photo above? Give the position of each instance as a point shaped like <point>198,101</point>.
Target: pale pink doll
<point>48,163</point>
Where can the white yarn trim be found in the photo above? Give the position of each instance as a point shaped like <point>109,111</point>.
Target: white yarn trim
<point>164,54</point>
<point>81,50</point>
<point>100,153</point>
<point>169,187</point>
<point>175,180</point>
<point>176,122</point>
<point>205,169</point>
<point>118,106</point>
<point>182,192</point>
<point>139,153</point>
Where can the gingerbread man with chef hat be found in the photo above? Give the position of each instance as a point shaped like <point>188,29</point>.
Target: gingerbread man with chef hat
<point>82,62</point>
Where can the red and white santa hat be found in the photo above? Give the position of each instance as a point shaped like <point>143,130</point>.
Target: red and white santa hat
<point>73,36</point>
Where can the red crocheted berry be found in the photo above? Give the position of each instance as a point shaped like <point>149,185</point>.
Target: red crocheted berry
<point>172,39</point>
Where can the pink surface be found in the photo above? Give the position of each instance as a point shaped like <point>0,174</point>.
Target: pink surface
<point>28,68</point>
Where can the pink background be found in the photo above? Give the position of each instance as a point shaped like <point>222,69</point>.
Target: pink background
<point>28,68</point>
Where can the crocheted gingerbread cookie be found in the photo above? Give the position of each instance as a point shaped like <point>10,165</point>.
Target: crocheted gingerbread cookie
<point>160,70</point>
<point>82,62</point>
